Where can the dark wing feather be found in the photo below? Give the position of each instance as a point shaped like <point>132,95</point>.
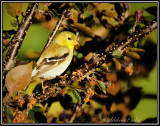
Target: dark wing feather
<point>52,60</point>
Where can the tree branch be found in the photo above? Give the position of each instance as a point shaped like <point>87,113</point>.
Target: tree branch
<point>18,38</point>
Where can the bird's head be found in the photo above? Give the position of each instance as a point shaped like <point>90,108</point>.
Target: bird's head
<point>67,38</point>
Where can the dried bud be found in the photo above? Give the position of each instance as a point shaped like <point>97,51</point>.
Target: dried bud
<point>138,15</point>
<point>67,14</point>
<point>47,4</point>
<point>117,64</point>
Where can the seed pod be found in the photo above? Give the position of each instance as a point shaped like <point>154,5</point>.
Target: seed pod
<point>5,41</point>
<point>136,50</point>
<point>105,67</point>
<point>133,55</point>
<point>117,64</point>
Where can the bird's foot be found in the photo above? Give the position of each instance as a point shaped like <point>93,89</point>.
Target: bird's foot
<point>43,87</point>
<point>63,77</point>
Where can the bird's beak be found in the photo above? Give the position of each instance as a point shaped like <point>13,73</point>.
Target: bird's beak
<point>76,43</point>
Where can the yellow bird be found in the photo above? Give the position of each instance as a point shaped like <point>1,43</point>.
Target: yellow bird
<point>56,57</point>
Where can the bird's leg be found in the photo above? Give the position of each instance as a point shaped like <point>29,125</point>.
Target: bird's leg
<point>62,77</point>
<point>43,87</point>
<point>41,80</point>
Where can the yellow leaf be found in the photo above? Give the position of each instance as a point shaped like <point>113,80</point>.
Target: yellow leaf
<point>108,8</point>
<point>84,29</point>
<point>109,12</point>
<point>14,9</point>
<point>32,86</point>
<point>55,109</point>
<point>18,78</point>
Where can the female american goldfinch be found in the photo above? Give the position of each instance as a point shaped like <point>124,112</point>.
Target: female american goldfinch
<point>56,57</point>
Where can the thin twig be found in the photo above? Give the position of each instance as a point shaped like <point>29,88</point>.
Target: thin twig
<point>55,30</point>
<point>18,38</point>
<point>78,109</point>
<point>17,20</point>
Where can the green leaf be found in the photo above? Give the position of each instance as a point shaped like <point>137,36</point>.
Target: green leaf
<point>75,53</point>
<point>36,115</point>
<point>87,14</point>
<point>14,23</point>
<point>31,115</point>
<point>117,54</point>
<point>150,18</point>
<point>79,90</point>
<point>77,95</point>
<point>136,44</point>
<point>102,86</point>
<point>115,22</point>
<point>93,75</point>
<point>79,55</point>
<point>54,13</point>
<point>8,113</point>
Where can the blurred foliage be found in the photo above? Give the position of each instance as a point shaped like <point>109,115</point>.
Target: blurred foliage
<point>121,89</point>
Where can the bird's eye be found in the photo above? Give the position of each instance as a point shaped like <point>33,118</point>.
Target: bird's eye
<point>69,38</point>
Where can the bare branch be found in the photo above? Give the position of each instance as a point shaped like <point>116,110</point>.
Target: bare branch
<point>55,30</point>
<point>18,38</point>
<point>78,109</point>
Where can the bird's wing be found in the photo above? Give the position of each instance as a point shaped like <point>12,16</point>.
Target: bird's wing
<point>51,57</point>
<point>52,52</point>
<point>52,60</point>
